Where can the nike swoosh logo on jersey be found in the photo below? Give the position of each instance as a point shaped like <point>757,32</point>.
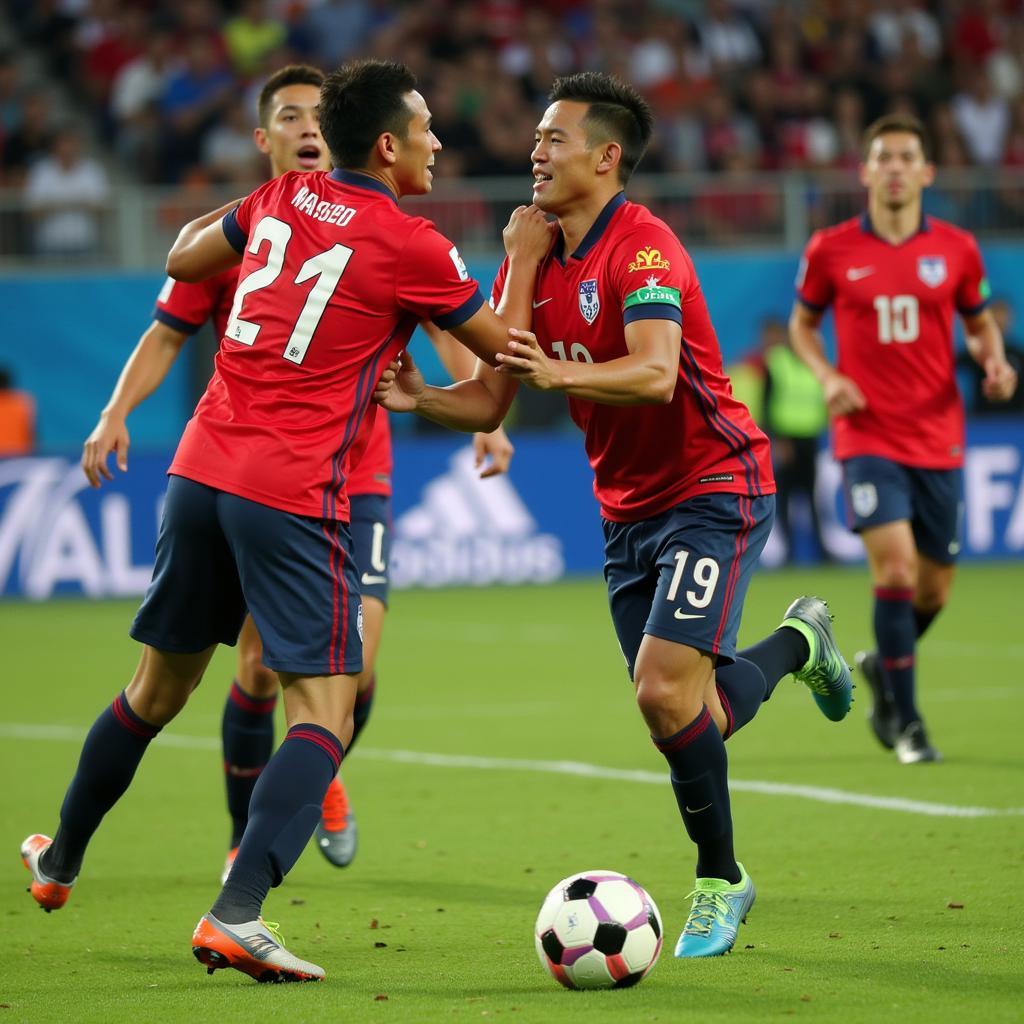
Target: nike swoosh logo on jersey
<point>680,614</point>
<point>369,581</point>
<point>856,273</point>
<point>537,305</point>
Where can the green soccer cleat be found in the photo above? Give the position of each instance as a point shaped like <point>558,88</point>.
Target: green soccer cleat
<point>716,912</point>
<point>825,673</point>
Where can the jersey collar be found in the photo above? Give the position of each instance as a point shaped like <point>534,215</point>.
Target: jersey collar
<point>593,236</point>
<point>360,180</point>
<point>865,226</point>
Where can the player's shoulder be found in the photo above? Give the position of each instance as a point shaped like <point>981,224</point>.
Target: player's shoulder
<point>644,236</point>
<point>836,236</point>
<point>950,233</point>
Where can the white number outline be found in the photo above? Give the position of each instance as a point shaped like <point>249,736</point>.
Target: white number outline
<point>577,353</point>
<point>899,318</point>
<point>706,572</point>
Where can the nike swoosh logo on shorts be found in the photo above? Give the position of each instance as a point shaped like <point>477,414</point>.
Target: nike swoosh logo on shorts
<point>680,614</point>
<point>369,580</point>
<point>856,273</point>
<point>536,305</point>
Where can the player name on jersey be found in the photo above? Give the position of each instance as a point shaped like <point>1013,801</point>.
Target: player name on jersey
<point>322,209</point>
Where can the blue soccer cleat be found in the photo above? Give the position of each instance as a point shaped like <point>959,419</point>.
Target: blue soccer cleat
<point>715,915</point>
<point>825,673</point>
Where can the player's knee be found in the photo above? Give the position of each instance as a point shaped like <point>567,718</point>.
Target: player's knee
<point>255,678</point>
<point>897,570</point>
<point>664,702</point>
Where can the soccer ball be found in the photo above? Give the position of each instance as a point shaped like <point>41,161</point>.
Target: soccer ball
<point>598,929</point>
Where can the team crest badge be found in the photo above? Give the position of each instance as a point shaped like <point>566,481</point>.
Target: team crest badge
<point>648,259</point>
<point>590,304</point>
<point>864,498</point>
<point>932,270</point>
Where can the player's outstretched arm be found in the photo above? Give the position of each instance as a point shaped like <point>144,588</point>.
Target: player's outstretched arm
<point>492,452</point>
<point>142,374</point>
<point>985,344</point>
<point>842,394</point>
<point>201,248</point>
<point>647,375</point>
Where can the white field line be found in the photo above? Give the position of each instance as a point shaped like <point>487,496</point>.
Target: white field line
<point>820,794</point>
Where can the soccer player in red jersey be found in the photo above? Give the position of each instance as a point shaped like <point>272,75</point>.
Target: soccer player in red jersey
<point>334,279</point>
<point>289,133</point>
<point>894,279</point>
<point>682,474</point>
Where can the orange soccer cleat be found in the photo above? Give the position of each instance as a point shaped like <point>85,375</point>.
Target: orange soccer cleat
<point>47,892</point>
<point>337,835</point>
<point>255,948</point>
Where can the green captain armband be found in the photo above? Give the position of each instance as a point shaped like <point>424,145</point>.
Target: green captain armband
<point>652,293</point>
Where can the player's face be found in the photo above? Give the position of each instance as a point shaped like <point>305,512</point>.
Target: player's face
<point>896,171</point>
<point>564,169</point>
<point>292,137</point>
<point>415,153</point>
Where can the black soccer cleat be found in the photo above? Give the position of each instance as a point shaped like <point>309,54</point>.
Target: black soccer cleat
<point>882,717</point>
<point>912,746</point>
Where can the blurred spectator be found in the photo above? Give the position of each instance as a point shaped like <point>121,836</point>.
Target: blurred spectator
<point>251,35</point>
<point>65,193</point>
<point>727,38</point>
<point>974,375</point>
<point>794,417</point>
<point>30,141</point>
<point>17,418</point>
<point>119,40</point>
<point>899,20</point>
<point>228,153</point>
<point>195,98</point>
<point>982,118</point>
<point>135,106</point>
<point>336,29</point>
<point>11,96</point>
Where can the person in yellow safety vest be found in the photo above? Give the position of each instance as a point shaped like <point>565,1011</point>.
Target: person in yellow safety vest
<point>794,417</point>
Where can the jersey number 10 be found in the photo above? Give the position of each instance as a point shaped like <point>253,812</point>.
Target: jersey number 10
<point>326,266</point>
<point>898,318</point>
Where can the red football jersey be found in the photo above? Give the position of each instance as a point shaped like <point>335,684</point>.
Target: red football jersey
<point>893,308</point>
<point>371,461</point>
<point>185,307</point>
<point>333,281</point>
<point>646,458</point>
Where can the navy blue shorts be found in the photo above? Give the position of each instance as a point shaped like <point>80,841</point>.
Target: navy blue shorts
<point>371,543</point>
<point>879,491</point>
<point>683,575</point>
<point>218,554</point>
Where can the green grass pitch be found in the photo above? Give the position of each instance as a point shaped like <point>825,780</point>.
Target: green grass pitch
<point>864,913</point>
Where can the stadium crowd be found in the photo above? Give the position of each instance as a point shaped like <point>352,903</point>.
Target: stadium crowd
<point>737,86</point>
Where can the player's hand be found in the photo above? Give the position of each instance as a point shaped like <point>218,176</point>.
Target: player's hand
<point>400,386</point>
<point>493,451</point>
<point>842,395</point>
<point>109,435</point>
<point>1000,381</point>
<point>528,234</point>
<point>526,361</point>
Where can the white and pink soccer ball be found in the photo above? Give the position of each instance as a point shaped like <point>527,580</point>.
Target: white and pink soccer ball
<point>598,929</point>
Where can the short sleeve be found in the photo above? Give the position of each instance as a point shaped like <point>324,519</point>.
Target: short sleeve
<point>432,281</point>
<point>651,275</point>
<point>238,222</point>
<point>973,292</point>
<point>813,285</point>
<point>186,307</point>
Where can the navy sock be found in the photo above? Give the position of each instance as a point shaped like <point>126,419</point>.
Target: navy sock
<point>923,620</point>
<point>896,635</point>
<point>247,733</point>
<point>699,773</point>
<point>361,714</point>
<point>111,753</point>
<point>744,685</point>
<point>284,811</point>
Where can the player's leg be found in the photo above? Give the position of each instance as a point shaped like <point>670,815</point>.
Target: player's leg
<point>194,601</point>
<point>312,640</point>
<point>337,834</point>
<point>247,730</point>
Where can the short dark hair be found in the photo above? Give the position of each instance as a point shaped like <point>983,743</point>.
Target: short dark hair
<point>293,74</point>
<point>358,102</point>
<point>889,123</point>
<point>617,112</point>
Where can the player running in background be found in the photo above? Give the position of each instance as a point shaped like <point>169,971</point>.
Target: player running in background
<point>894,279</point>
<point>334,278</point>
<point>682,474</point>
<point>289,133</point>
